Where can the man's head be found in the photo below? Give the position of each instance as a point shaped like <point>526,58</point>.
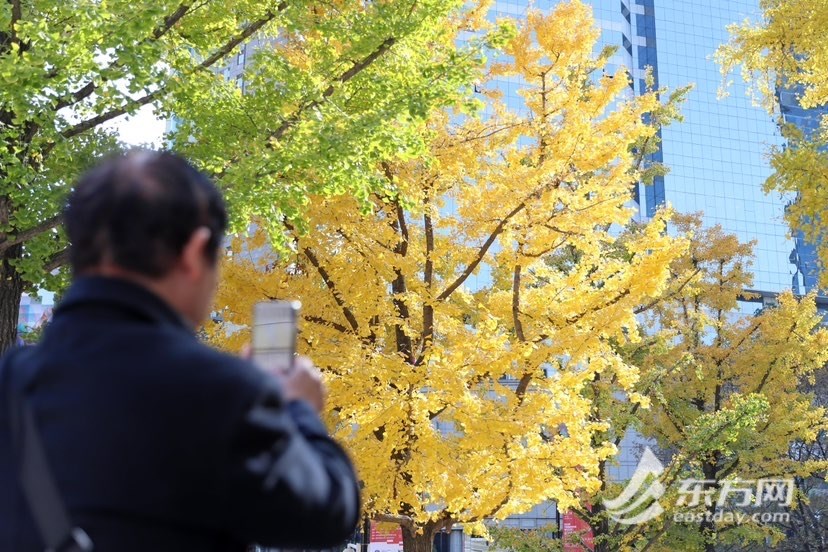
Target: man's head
<point>152,218</point>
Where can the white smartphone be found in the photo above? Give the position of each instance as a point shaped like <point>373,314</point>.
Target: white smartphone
<point>274,334</point>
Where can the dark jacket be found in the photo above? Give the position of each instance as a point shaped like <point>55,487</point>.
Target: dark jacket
<point>160,443</point>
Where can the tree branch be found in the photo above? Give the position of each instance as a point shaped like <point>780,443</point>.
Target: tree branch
<point>510,487</point>
<point>428,273</point>
<point>89,124</point>
<point>217,56</point>
<point>399,287</point>
<point>724,472</point>
<point>481,253</point>
<point>324,322</point>
<point>654,302</point>
<point>767,374</point>
<point>355,69</point>
<point>248,31</point>
<point>491,239</point>
<point>16,16</point>
<point>403,248</point>
<point>169,22</point>
<point>735,347</point>
<point>497,130</point>
<point>405,521</point>
<point>400,227</point>
<point>526,377</point>
<point>57,260</point>
<point>26,235</point>
<point>611,302</point>
<point>516,303</point>
<point>433,414</point>
<point>403,340</point>
<point>329,283</point>
<point>655,538</point>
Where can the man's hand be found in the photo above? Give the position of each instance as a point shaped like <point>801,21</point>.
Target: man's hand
<point>303,381</point>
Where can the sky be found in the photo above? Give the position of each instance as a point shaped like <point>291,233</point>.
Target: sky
<point>143,128</point>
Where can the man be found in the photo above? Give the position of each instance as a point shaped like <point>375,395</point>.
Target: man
<point>157,442</point>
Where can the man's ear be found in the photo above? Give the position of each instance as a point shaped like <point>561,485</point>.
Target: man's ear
<point>194,254</point>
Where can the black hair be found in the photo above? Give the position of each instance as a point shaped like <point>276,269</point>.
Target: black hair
<point>138,210</point>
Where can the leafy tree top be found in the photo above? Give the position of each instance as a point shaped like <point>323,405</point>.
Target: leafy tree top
<point>336,86</point>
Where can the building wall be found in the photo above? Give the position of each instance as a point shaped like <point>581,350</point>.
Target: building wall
<point>718,155</point>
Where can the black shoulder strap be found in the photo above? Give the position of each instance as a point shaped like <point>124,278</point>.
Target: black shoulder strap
<point>35,477</point>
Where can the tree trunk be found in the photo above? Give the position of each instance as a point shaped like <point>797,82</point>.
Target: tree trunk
<point>597,517</point>
<point>708,526</point>
<point>11,289</point>
<point>422,541</point>
<point>601,528</point>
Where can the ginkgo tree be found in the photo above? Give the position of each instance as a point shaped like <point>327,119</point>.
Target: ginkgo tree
<point>727,398</point>
<point>785,53</point>
<point>333,86</point>
<point>459,320</point>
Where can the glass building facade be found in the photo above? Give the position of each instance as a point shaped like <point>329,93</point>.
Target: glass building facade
<point>718,155</point>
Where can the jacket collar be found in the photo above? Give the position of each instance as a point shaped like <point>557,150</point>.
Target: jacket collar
<point>119,294</point>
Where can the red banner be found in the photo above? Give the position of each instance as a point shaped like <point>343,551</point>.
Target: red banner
<point>385,537</point>
<point>577,534</point>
